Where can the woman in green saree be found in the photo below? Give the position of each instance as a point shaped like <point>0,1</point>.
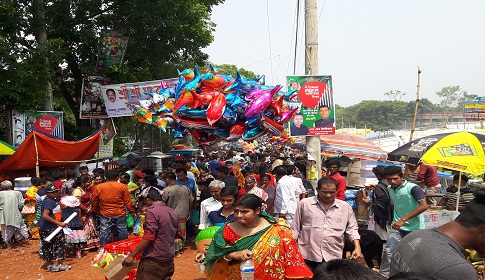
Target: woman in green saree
<point>262,238</point>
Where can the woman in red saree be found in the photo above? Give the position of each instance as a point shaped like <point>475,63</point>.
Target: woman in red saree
<point>268,242</point>
<point>83,192</point>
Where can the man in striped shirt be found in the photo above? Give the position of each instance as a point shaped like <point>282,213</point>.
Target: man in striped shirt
<point>466,195</point>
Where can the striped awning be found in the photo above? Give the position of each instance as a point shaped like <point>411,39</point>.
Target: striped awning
<point>347,145</point>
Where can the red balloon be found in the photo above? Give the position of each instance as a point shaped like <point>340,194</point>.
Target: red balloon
<point>216,109</point>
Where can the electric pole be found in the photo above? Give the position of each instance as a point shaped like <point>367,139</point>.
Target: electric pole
<point>313,144</point>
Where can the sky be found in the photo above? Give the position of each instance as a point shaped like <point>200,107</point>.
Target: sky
<point>369,47</point>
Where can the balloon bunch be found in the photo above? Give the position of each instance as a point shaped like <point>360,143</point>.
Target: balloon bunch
<point>215,106</point>
<point>283,139</point>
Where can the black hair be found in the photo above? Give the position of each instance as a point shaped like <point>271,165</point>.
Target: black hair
<point>464,178</point>
<point>279,170</point>
<point>326,181</point>
<point>148,171</point>
<point>206,182</point>
<point>46,179</point>
<point>111,174</point>
<point>323,106</point>
<point>250,201</point>
<point>35,181</point>
<point>178,170</point>
<point>154,194</point>
<point>84,167</point>
<point>181,161</point>
<point>150,179</point>
<point>379,171</point>
<point>343,269</point>
<point>298,114</point>
<point>411,276</point>
<point>170,176</point>
<point>289,169</point>
<point>474,213</point>
<point>71,174</point>
<point>125,176</point>
<point>229,191</point>
<point>225,170</point>
<point>58,175</point>
<point>101,171</point>
<point>85,178</point>
<point>393,170</point>
<point>133,165</point>
<point>265,176</point>
<point>228,162</point>
<point>333,161</point>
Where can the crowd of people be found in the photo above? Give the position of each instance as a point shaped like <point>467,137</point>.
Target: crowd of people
<point>264,207</point>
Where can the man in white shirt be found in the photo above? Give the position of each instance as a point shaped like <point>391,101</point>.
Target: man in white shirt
<point>287,193</point>
<point>211,204</point>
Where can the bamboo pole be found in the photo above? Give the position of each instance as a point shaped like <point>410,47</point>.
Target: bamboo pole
<point>416,107</point>
<point>37,171</point>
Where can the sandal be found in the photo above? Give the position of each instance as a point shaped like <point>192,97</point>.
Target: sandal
<point>60,268</point>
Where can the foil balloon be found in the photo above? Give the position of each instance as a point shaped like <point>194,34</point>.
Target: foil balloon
<point>271,126</point>
<point>185,99</point>
<point>203,98</point>
<point>212,81</point>
<point>188,74</point>
<point>276,105</point>
<point>193,123</point>
<point>214,70</point>
<point>186,112</point>
<point>261,102</point>
<point>144,116</point>
<point>163,123</point>
<point>216,109</point>
<point>252,133</point>
<point>236,131</point>
<point>165,107</point>
<point>222,133</point>
<point>178,131</point>
<point>203,138</point>
<point>288,115</point>
<point>229,116</point>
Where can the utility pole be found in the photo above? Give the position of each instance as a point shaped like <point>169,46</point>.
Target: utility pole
<point>313,145</point>
<point>416,107</point>
<point>38,7</point>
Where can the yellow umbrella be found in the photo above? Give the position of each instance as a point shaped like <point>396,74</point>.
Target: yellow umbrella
<point>6,149</point>
<point>461,151</point>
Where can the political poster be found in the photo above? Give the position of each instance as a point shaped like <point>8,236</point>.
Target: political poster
<point>112,48</point>
<point>108,130</point>
<point>92,102</point>
<point>120,98</point>
<point>47,122</point>
<point>314,98</point>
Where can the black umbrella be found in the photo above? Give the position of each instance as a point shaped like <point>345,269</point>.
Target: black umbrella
<point>413,151</point>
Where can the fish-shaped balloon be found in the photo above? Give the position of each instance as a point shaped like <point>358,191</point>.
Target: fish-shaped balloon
<point>212,81</point>
<point>185,99</point>
<point>204,98</point>
<point>261,102</point>
<point>187,74</point>
<point>164,123</point>
<point>271,126</point>
<point>236,131</point>
<point>216,109</point>
<point>286,116</point>
<point>143,115</point>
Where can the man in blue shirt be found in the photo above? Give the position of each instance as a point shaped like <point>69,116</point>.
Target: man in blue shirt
<point>182,179</point>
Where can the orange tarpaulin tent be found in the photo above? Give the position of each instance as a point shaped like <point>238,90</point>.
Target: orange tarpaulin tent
<point>41,150</point>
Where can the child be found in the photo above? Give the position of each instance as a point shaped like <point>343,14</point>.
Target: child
<point>76,237</point>
<point>54,251</point>
<point>138,227</point>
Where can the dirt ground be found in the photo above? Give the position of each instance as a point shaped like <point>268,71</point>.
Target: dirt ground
<point>23,262</point>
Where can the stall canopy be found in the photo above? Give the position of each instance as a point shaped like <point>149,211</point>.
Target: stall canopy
<point>6,149</point>
<point>50,152</point>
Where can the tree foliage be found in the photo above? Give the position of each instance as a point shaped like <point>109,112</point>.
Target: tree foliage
<point>165,35</point>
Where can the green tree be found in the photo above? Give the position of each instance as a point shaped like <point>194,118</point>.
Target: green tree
<point>232,69</point>
<point>165,35</point>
